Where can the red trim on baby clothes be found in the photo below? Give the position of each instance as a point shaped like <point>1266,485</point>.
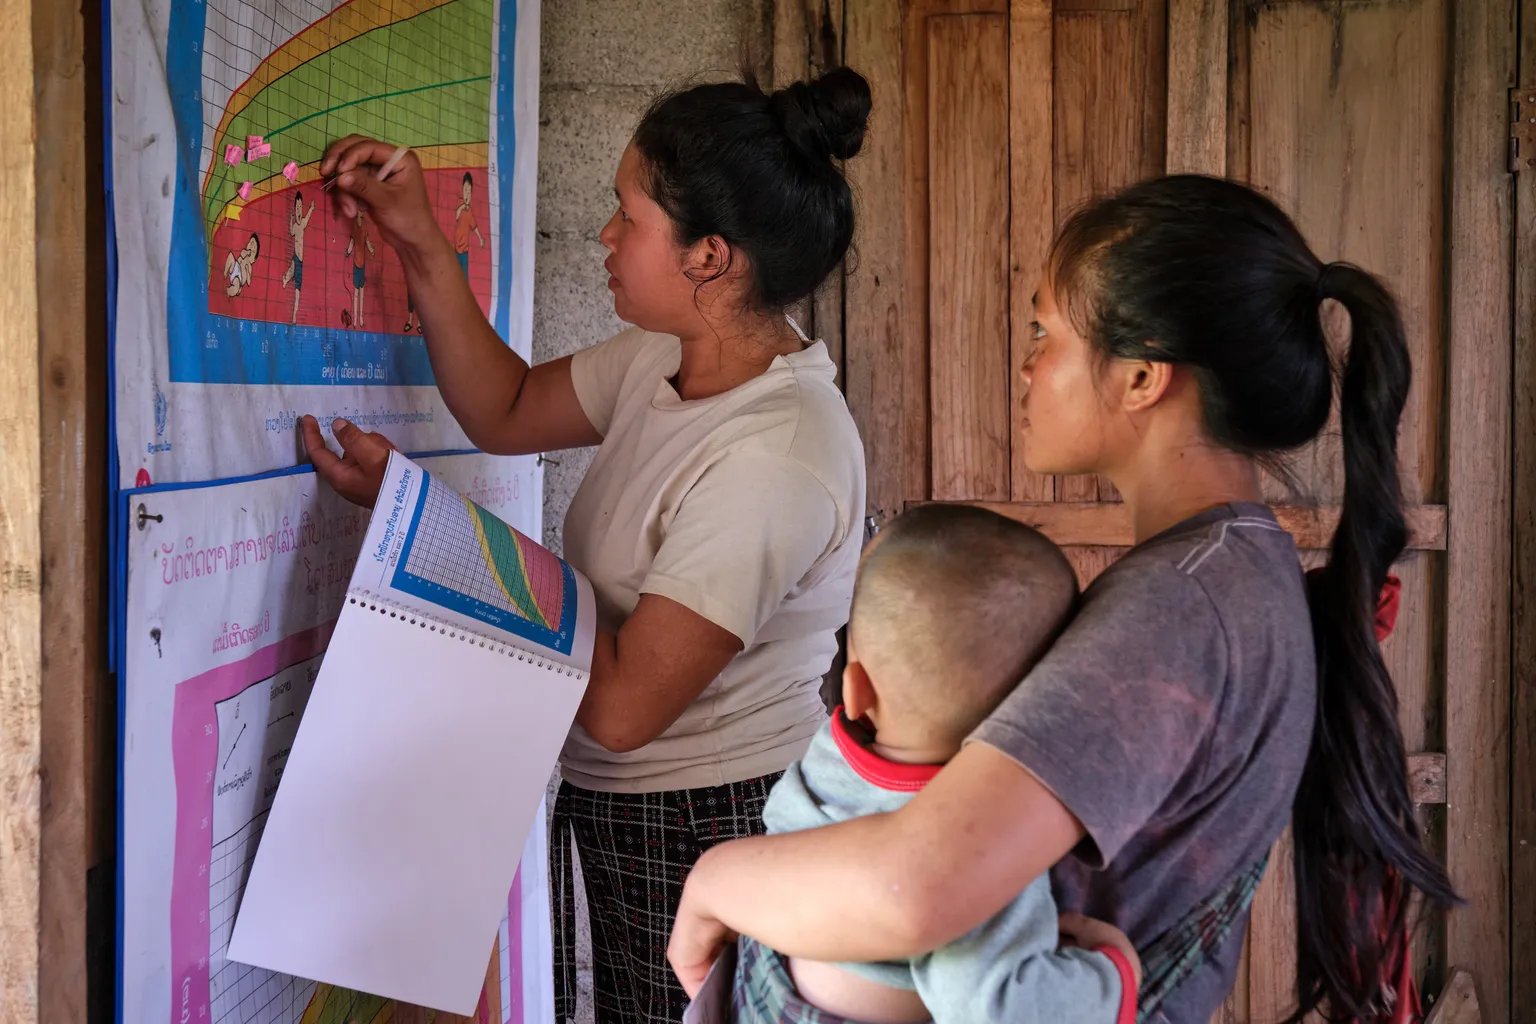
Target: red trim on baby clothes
<point>874,769</point>
<point>1128,993</point>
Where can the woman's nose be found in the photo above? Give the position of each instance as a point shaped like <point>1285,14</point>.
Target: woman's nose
<point>606,236</point>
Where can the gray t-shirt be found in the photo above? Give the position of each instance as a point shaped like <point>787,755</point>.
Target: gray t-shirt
<point>1173,718</point>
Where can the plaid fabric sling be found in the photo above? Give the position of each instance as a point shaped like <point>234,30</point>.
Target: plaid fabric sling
<point>1180,951</point>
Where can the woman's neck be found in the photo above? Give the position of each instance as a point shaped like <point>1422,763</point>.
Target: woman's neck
<point>1168,486</point>
<point>719,357</point>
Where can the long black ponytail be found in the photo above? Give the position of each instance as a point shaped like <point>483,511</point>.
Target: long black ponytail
<point>1209,274</point>
<point>1356,843</point>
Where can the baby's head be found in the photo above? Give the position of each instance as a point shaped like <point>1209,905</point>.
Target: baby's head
<point>953,605</point>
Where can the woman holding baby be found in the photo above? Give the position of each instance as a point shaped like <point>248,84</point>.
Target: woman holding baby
<point>1205,695</point>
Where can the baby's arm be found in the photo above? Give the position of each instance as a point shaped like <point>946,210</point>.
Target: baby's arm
<point>1010,971</point>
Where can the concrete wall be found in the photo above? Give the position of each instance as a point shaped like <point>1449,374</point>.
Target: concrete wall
<point>602,63</point>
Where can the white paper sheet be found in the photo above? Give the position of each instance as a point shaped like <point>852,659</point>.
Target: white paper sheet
<point>446,693</point>
<point>408,795</point>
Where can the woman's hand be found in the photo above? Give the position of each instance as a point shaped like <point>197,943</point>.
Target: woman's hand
<point>1090,933</point>
<point>697,942</point>
<point>398,204</point>
<point>358,472</point>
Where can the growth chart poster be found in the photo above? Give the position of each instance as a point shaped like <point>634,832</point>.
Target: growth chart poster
<point>232,594</point>
<point>244,298</point>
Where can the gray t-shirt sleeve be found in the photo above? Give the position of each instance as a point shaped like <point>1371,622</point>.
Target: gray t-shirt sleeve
<point>1120,709</point>
<point>1009,971</point>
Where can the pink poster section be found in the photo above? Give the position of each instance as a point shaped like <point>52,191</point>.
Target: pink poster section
<point>232,728</point>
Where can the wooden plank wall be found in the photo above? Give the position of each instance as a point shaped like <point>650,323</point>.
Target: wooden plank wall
<point>1378,124</point>
<point>21,566</point>
<point>1479,286</point>
<point>807,41</point>
<point>1522,845</point>
<point>1032,184</point>
<point>970,422</point>
<point>72,362</point>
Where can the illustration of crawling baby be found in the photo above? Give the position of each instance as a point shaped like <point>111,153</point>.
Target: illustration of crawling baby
<point>239,267</point>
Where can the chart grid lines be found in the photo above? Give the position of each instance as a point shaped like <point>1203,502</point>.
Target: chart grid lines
<point>462,558</point>
<point>294,289</point>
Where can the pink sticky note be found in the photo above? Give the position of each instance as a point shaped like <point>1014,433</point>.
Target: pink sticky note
<point>245,190</point>
<point>233,154</point>
<point>291,171</point>
<point>257,152</point>
<point>252,141</point>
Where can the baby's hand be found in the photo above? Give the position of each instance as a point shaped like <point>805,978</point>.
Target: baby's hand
<point>1089,933</point>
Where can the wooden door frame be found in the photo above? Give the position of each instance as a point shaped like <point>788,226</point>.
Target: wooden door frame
<point>885,381</point>
<point>21,553</point>
<point>55,793</point>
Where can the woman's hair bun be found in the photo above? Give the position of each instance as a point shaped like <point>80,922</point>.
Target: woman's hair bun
<point>825,117</point>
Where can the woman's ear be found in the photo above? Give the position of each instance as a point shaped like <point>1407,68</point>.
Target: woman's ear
<point>1142,383</point>
<point>708,260</point>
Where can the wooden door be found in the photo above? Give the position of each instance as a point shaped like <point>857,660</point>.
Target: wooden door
<point>1382,127</point>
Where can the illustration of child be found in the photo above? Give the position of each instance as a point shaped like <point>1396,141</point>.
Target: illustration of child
<point>464,224</point>
<point>238,267</point>
<point>359,247</point>
<point>298,220</point>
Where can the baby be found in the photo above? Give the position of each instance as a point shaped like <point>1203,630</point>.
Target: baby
<point>952,606</point>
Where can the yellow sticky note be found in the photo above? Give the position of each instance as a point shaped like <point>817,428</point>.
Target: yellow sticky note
<point>232,211</point>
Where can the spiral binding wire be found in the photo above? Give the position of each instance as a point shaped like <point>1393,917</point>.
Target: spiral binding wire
<point>373,603</point>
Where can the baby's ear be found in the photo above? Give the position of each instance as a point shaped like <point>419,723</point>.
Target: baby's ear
<point>858,692</point>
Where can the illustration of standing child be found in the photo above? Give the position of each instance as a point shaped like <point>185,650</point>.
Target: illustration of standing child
<point>356,249</point>
<point>238,267</point>
<point>464,224</point>
<point>298,220</point>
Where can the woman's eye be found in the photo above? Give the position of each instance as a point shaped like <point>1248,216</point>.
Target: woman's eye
<point>1036,332</point>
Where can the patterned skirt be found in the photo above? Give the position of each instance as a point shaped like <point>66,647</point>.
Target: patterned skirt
<point>636,850</point>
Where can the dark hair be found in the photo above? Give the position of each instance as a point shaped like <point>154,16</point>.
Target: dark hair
<point>298,196</point>
<point>469,179</point>
<point>1210,275</point>
<point>756,169</point>
<point>257,240</point>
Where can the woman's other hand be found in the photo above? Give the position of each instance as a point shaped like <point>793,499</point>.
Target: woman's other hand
<point>358,472</point>
<point>1090,933</point>
<point>397,205</point>
<point>697,942</point>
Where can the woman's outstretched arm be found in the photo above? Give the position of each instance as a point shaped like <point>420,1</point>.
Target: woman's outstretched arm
<point>504,406</point>
<point>883,886</point>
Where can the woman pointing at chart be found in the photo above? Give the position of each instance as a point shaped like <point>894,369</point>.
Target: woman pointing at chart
<point>720,522</point>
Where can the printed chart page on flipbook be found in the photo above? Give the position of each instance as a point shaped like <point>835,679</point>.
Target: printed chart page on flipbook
<point>450,683</point>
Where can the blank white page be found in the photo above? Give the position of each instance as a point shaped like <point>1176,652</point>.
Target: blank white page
<point>397,828</point>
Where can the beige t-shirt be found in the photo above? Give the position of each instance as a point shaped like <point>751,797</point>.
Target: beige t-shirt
<point>745,508</point>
